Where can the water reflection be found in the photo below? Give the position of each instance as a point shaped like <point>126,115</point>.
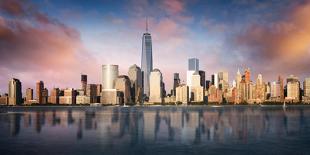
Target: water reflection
<point>137,125</point>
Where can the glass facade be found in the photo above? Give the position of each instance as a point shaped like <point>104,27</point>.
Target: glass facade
<point>146,62</point>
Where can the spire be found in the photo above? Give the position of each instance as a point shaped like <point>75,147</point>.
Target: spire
<point>146,25</point>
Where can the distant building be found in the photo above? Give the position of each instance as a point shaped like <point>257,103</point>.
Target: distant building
<point>306,97</point>
<point>110,97</point>
<point>29,95</point>
<point>182,94</point>
<point>45,96</point>
<point>293,88</point>
<point>69,96</point>
<point>15,92</point>
<point>91,92</point>
<point>39,91</point>
<point>54,97</point>
<point>84,82</point>
<point>136,79</point>
<point>223,80</point>
<point>82,99</point>
<point>109,74</point>
<point>197,91</point>
<point>122,85</point>
<point>193,66</point>
<point>247,74</point>
<point>202,79</point>
<point>156,89</point>
<point>176,83</point>
<point>4,99</point>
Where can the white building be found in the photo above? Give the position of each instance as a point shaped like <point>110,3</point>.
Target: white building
<point>182,94</point>
<point>156,86</point>
<point>109,74</point>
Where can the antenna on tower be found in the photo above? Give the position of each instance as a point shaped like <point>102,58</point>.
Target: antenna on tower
<point>146,24</point>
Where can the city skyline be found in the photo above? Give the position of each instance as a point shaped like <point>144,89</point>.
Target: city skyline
<point>280,38</point>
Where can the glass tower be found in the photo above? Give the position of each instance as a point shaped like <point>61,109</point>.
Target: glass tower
<point>146,61</point>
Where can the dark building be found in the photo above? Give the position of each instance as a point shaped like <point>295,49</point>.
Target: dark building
<point>84,82</point>
<point>202,79</point>
<point>176,83</point>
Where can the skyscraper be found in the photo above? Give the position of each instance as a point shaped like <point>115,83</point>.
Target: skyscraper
<point>247,74</point>
<point>307,87</point>
<point>293,88</point>
<point>156,89</point>
<point>193,66</point>
<point>29,95</point>
<point>176,82</point>
<point>15,92</point>
<point>109,74</point>
<point>147,60</point>
<point>202,78</point>
<point>84,82</point>
<point>39,91</point>
<point>135,76</point>
<point>122,84</point>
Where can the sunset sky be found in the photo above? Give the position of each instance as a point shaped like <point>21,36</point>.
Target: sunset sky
<point>57,40</point>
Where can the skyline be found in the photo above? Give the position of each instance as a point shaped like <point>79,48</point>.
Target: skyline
<point>84,44</point>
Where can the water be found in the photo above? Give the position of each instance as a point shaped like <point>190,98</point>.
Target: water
<point>155,130</point>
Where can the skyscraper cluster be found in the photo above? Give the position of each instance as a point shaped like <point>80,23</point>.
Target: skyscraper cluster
<point>145,85</point>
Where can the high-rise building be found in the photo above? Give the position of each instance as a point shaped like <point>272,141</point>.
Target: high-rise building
<point>69,96</point>
<point>54,97</point>
<point>197,91</point>
<point>247,74</point>
<point>109,74</point>
<point>15,92</point>
<point>193,64</point>
<point>293,88</point>
<point>280,81</point>
<point>306,97</point>
<point>307,87</point>
<point>122,85</point>
<point>202,79</point>
<point>146,61</point>
<point>45,96</point>
<point>176,82</point>
<point>156,89</point>
<point>39,91</point>
<point>259,89</point>
<point>84,82</point>
<point>29,95</point>
<point>135,76</point>
<point>182,94</point>
<point>91,92</point>
<point>223,80</point>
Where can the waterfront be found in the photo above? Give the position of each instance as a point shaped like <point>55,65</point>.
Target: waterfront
<point>155,130</point>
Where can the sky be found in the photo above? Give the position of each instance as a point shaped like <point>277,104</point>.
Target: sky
<point>56,40</point>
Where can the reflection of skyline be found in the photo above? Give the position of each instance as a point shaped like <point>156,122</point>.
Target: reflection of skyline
<point>142,125</point>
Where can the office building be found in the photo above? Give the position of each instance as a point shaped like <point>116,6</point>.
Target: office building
<point>156,89</point>
<point>176,83</point>
<point>293,89</point>
<point>202,79</point>
<point>136,88</point>
<point>69,96</point>
<point>39,91</point>
<point>146,61</point>
<point>83,82</point>
<point>182,94</point>
<point>54,97</point>
<point>29,96</point>
<point>15,92</point>
<point>122,85</point>
<point>109,74</point>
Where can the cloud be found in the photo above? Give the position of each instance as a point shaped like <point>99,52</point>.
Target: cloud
<point>34,46</point>
<point>282,46</point>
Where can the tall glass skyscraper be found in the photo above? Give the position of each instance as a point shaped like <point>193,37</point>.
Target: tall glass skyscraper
<point>146,61</point>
